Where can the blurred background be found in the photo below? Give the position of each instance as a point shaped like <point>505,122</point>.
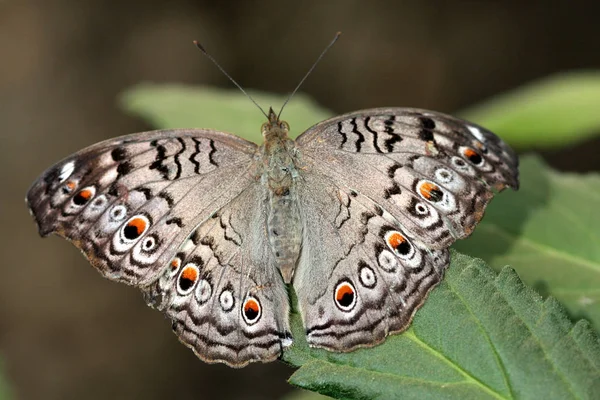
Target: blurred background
<point>67,333</point>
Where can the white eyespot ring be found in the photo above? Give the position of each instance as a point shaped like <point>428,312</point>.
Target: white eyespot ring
<point>367,276</point>
<point>118,212</point>
<point>203,291</point>
<point>387,261</point>
<point>149,243</point>
<point>99,201</point>
<point>421,209</point>
<point>443,175</point>
<point>226,300</point>
<point>345,296</point>
<point>459,163</point>
<point>251,310</point>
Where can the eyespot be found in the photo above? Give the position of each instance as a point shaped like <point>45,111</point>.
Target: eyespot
<point>135,227</point>
<point>174,266</point>
<point>251,310</point>
<point>149,243</point>
<point>430,191</point>
<point>99,201</point>
<point>203,291</point>
<point>443,175</point>
<point>84,195</point>
<point>345,296</point>
<point>473,156</point>
<point>69,187</point>
<point>387,261</point>
<point>367,276</point>
<point>421,209</point>
<point>118,213</point>
<point>226,300</point>
<point>187,279</point>
<point>459,162</point>
<point>398,244</point>
<point>66,171</point>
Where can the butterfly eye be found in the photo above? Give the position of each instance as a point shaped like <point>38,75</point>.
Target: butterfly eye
<point>84,195</point>
<point>187,279</point>
<point>398,244</point>
<point>345,296</point>
<point>251,310</point>
<point>226,299</point>
<point>472,156</point>
<point>285,125</point>
<point>135,227</point>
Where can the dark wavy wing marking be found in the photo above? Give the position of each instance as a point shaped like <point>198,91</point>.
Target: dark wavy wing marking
<point>174,178</point>
<point>402,148</point>
<point>234,258</point>
<point>353,253</point>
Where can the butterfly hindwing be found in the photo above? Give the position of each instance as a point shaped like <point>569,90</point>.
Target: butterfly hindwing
<point>376,276</point>
<point>226,299</point>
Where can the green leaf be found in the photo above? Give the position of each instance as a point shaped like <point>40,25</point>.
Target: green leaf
<point>176,106</point>
<point>5,390</point>
<point>557,111</point>
<point>549,231</point>
<point>478,336</point>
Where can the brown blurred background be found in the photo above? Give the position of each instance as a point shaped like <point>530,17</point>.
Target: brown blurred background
<point>67,333</point>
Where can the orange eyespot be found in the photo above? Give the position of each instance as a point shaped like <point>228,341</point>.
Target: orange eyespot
<point>472,156</point>
<point>398,243</point>
<point>71,185</point>
<point>83,196</point>
<point>395,240</point>
<point>251,310</point>
<point>174,266</point>
<point>135,227</point>
<point>187,278</point>
<point>190,274</point>
<point>345,296</point>
<point>430,191</point>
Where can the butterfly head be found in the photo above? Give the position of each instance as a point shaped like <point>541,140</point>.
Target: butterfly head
<point>275,127</point>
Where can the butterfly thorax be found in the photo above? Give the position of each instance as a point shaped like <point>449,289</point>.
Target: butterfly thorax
<point>278,176</point>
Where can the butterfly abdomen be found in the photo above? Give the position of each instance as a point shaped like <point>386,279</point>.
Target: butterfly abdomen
<point>284,230</point>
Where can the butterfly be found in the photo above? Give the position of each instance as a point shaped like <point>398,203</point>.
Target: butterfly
<point>356,215</point>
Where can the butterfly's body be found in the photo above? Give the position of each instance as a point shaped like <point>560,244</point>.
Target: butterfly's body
<point>356,214</point>
<point>279,177</point>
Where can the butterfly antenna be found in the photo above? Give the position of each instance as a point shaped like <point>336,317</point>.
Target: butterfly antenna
<point>203,50</point>
<point>337,36</point>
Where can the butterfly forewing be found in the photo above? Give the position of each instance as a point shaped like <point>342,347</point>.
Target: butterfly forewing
<point>126,202</point>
